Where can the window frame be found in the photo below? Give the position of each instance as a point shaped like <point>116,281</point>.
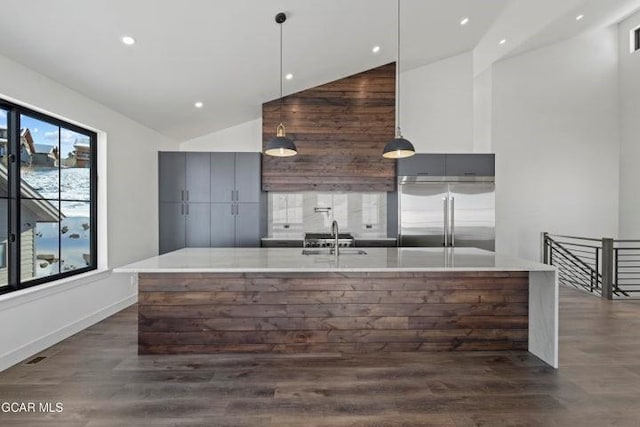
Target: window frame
<point>635,40</point>
<point>14,197</point>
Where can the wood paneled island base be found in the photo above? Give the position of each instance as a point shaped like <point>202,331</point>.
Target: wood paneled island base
<point>332,312</point>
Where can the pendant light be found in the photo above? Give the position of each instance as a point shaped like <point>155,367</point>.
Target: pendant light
<point>280,145</point>
<point>398,147</point>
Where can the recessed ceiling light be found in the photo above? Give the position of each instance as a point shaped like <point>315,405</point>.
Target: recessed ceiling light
<point>128,40</point>
<point>288,76</point>
<point>503,41</point>
<point>198,104</point>
<point>464,21</point>
<point>579,17</point>
<point>375,49</point>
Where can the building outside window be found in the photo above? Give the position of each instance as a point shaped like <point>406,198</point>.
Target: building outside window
<point>48,192</point>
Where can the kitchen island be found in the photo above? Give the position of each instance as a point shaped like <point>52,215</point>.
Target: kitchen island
<point>209,300</point>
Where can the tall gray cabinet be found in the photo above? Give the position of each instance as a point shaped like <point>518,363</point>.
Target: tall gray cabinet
<point>209,200</point>
<point>235,200</point>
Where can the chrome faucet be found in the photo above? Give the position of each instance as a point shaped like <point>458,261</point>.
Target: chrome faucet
<point>336,233</point>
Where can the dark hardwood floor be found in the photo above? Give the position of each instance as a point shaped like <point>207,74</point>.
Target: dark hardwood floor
<point>101,381</point>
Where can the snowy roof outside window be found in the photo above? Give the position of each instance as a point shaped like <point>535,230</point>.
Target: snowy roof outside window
<point>43,210</point>
<point>43,148</point>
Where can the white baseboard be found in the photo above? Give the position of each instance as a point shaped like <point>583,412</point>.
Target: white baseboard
<point>36,346</point>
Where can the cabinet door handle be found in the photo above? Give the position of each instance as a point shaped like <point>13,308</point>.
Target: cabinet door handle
<point>187,195</point>
<point>232,196</point>
<point>237,209</point>
<point>187,208</point>
<point>182,209</point>
<point>232,211</point>
<point>237,195</point>
<point>182,195</point>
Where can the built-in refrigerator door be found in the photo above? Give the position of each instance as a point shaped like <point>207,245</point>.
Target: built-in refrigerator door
<point>472,219</point>
<point>423,208</point>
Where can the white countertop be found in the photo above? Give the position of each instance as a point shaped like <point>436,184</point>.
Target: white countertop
<point>287,260</point>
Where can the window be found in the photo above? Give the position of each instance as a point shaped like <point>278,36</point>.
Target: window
<point>48,195</point>
<point>3,255</point>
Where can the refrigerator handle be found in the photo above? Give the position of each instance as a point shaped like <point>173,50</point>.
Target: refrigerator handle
<point>453,221</point>
<point>445,203</point>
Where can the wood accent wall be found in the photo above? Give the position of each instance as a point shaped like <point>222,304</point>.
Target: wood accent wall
<point>340,130</point>
<point>332,312</point>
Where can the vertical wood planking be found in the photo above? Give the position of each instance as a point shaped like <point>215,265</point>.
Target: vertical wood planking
<point>340,130</point>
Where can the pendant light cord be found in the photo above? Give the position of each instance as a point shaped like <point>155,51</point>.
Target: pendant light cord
<point>281,100</point>
<point>398,71</point>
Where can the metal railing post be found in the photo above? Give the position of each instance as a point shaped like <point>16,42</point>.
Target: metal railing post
<point>545,249</point>
<point>607,268</point>
<point>597,267</point>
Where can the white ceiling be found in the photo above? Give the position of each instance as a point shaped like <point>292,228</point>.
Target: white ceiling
<point>596,14</point>
<point>224,53</point>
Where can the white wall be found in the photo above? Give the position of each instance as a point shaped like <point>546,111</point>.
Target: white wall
<point>556,137</point>
<point>437,105</point>
<point>630,131</point>
<point>36,318</point>
<point>437,112</point>
<point>483,112</point>
<point>243,137</point>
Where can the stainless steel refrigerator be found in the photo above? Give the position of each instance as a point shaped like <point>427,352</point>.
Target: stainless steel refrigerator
<point>451,212</point>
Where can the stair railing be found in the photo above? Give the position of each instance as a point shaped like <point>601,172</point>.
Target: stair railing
<point>606,267</point>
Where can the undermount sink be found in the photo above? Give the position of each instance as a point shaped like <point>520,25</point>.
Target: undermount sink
<point>328,251</point>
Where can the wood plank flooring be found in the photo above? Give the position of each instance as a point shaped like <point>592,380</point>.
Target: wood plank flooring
<point>101,381</point>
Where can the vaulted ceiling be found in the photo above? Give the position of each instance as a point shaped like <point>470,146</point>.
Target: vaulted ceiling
<point>225,52</point>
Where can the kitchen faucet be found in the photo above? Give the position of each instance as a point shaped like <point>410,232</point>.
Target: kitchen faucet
<point>336,233</point>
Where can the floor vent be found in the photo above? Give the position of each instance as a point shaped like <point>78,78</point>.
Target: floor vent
<point>35,360</point>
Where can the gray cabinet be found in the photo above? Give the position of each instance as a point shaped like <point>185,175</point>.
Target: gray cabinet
<point>235,225</point>
<point>436,165</point>
<point>172,227</point>
<point>223,177</point>
<point>235,177</point>
<point>422,165</point>
<point>184,225</point>
<point>248,225</point>
<point>274,243</point>
<point>198,178</point>
<point>247,174</point>
<point>209,200</point>
<point>172,177</point>
<point>470,165</point>
<point>223,225</point>
<point>198,225</point>
<point>184,177</point>
<point>236,195</point>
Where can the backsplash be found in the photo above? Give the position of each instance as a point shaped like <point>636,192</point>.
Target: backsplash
<point>291,214</point>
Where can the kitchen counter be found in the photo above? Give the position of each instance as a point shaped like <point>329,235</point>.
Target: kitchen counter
<point>286,260</point>
<point>209,300</point>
